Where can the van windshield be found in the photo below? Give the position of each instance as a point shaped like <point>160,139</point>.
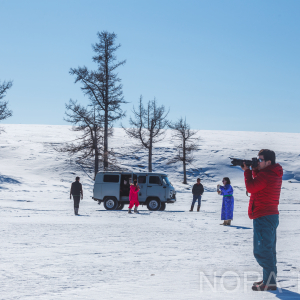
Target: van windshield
<point>166,180</point>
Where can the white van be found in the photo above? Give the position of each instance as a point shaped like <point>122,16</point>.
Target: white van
<point>112,188</point>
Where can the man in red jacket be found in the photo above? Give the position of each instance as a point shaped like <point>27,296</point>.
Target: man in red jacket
<point>264,184</point>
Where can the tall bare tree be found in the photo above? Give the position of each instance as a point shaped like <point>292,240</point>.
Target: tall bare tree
<point>4,111</point>
<point>103,86</point>
<point>148,126</point>
<point>87,146</point>
<point>186,146</point>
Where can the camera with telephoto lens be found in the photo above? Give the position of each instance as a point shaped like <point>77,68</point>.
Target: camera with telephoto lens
<point>240,162</point>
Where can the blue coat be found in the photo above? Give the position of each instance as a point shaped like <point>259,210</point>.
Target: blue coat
<point>228,202</point>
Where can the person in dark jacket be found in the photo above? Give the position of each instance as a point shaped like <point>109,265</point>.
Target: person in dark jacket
<point>197,193</point>
<point>264,184</point>
<point>76,192</point>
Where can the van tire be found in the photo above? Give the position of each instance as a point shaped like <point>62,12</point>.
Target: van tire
<point>153,204</point>
<point>162,206</point>
<point>110,203</point>
<point>120,206</point>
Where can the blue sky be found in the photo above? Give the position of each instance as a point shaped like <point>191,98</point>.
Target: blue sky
<point>224,65</point>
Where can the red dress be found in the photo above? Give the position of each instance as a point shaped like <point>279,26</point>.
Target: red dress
<point>133,196</point>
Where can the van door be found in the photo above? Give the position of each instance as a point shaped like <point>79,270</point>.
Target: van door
<point>142,182</point>
<point>111,185</point>
<point>155,187</point>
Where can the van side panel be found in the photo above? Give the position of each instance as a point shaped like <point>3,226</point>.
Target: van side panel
<point>98,186</point>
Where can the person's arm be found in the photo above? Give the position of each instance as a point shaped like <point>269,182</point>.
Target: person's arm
<point>255,172</point>
<point>71,192</point>
<point>254,185</point>
<point>202,189</point>
<point>81,192</point>
<point>222,190</point>
<point>227,190</point>
<point>193,189</point>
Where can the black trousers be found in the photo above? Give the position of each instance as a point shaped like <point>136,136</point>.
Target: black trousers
<point>76,201</point>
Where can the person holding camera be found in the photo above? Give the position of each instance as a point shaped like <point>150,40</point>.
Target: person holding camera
<point>264,184</point>
<point>228,201</point>
<point>197,194</point>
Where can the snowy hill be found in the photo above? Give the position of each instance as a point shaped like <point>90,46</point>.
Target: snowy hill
<point>48,253</point>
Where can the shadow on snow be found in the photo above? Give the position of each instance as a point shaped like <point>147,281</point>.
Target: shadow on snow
<point>285,294</point>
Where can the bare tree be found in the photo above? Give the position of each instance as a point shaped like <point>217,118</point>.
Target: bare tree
<point>4,111</point>
<point>103,85</point>
<point>87,146</point>
<point>188,144</point>
<point>148,126</point>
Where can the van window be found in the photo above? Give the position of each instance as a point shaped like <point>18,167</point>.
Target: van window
<point>142,179</point>
<point>154,180</point>
<point>166,180</point>
<point>111,178</point>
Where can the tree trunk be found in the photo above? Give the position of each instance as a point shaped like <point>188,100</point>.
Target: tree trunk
<point>150,151</point>
<point>96,162</point>
<point>105,155</point>
<point>96,169</point>
<point>184,161</point>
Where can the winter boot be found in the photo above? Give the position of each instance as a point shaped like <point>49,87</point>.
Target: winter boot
<point>264,287</point>
<point>258,282</point>
<point>129,211</point>
<point>198,208</point>
<point>135,210</point>
<point>224,223</point>
<point>76,211</point>
<point>229,222</point>
<point>192,207</point>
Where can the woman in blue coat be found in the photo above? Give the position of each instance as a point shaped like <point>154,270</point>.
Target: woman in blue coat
<point>228,201</point>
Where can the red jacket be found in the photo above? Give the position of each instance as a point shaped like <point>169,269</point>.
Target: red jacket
<point>133,194</point>
<point>265,187</point>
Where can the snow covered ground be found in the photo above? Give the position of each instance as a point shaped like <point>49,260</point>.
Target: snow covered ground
<point>48,253</point>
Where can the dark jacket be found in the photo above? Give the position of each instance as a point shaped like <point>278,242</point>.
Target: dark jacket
<point>197,189</point>
<point>76,188</point>
<point>265,188</point>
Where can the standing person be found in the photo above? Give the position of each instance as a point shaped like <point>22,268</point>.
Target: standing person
<point>197,193</point>
<point>76,191</point>
<point>228,201</point>
<point>264,184</point>
<point>134,197</point>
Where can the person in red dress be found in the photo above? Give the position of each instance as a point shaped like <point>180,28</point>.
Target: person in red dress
<point>134,197</point>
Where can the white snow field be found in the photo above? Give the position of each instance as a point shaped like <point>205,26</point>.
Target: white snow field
<point>48,253</point>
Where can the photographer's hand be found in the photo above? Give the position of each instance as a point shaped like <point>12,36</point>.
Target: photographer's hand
<point>244,168</point>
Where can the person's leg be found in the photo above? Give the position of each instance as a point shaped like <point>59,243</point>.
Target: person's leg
<point>131,203</point>
<point>76,204</point>
<point>223,213</point>
<point>193,203</point>
<point>265,246</point>
<point>136,203</point>
<point>230,208</point>
<point>270,270</point>
<point>274,251</point>
<point>199,203</point>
